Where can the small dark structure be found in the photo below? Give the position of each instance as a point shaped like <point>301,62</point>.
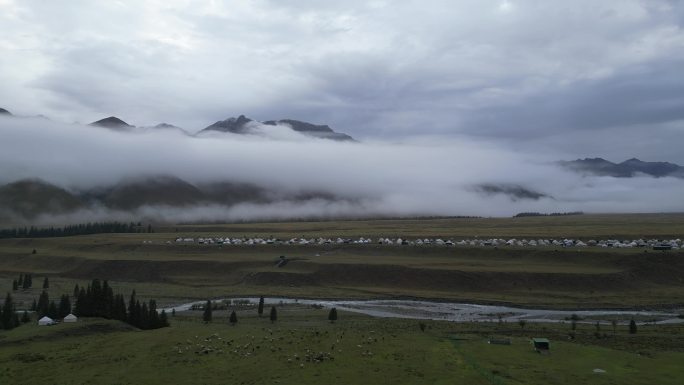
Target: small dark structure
<point>541,345</point>
<point>662,247</point>
<point>282,261</point>
<point>501,341</point>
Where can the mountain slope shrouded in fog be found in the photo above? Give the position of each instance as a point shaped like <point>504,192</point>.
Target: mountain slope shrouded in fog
<point>52,172</point>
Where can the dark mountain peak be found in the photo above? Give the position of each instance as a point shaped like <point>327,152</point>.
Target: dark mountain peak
<point>31,197</point>
<point>166,125</point>
<point>241,124</point>
<point>301,126</point>
<point>4,112</point>
<point>111,122</point>
<point>316,130</point>
<point>513,191</point>
<point>235,125</point>
<point>626,169</point>
<point>593,160</point>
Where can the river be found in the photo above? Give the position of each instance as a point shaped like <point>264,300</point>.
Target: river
<point>462,312</point>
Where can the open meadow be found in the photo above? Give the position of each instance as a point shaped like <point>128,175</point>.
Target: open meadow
<point>303,347</point>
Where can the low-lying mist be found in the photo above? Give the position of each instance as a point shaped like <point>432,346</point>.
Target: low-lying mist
<point>302,177</point>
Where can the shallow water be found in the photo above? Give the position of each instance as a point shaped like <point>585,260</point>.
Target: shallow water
<point>462,312</point>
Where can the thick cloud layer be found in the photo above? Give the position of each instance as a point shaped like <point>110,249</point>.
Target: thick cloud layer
<point>588,78</point>
<point>429,176</point>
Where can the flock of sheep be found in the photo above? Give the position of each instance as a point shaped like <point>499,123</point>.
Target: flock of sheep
<point>672,244</point>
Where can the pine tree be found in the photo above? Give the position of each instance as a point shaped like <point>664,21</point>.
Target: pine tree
<point>15,285</point>
<point>274,314</point>
<point>34,305</point>
<point>64,306</point>
<point>25,317</point>
<point>43,304</point>
<point>260,309</point>
<point>144,317</point>
<point>332,316</point>
<point>163,319</point>
<point>7,312</point>
<point>632,327</point>
<point>131,308</point>
<point>207,312</point>
<point>21,280</point>
<point>53,312</point>
<point>30,281</point>
<point>46,283</point>
<point>173,312</point>
<point>76,291</point>
<point>233,318</point>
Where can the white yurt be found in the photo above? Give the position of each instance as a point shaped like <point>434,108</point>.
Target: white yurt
<point>45,321</point>
<point>70,318</point>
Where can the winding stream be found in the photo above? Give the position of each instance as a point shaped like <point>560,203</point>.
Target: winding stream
<point>461,312</point>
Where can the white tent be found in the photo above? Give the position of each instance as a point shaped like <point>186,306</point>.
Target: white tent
<point>70,318</point>
<point>45,321</point>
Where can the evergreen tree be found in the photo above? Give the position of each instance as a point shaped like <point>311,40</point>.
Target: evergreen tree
<point>7,311</point>
<point>144,317</point>
<point>76,291</point>
<point>30,281</point>
<point>53,312</point>
<point>34,305</point>
<point>154,315</point>
<point>207,312</point>
<point>233,318</point>
<point>43,304</point>
<point>332,316</point>
<point>163,319</point>
<point>632,327</point>
<point>173,312</point>
<point>81,306</point>
<point>274,314</point>
<point>131,308</point>
<point>64,306</point>
<point>46,283</point>
<point>260,309</point>
<point>21,280</point>
<point>15,285</point>
<point>25,317</point>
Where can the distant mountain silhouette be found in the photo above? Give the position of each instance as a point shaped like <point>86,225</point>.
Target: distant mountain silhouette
<point>241,125</point>
<point>513,191</point>
<point>4,112</point>
<point>627,169</point>
<point>31,197</point>
<point>112,122</point>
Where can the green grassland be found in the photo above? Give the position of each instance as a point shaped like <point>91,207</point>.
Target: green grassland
<point>540,277</point>
<point>618,226</point>
<point>302,347</point>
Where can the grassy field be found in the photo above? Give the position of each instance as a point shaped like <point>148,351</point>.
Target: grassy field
<point>617,226</point>
<point>303,348</point>
<point>541,277</point>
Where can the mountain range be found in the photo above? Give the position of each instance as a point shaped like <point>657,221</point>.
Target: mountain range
<point>30,198</point>
<point>240,125</point>
<point>627,169</point>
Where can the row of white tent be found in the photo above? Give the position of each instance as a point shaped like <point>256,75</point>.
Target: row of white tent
<point>566,242</point>
<point>47,321</point>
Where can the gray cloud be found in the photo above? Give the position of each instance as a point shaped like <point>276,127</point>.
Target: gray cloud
<point>429,176</point>
<point>511,68</point>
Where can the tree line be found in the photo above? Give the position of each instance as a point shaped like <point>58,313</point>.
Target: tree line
<point>209,307</point>
<point>98,300</point>
<point>71,230</point>
<point>536,214</point>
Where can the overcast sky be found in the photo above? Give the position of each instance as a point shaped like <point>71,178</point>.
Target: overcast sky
<point>568,78</point>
